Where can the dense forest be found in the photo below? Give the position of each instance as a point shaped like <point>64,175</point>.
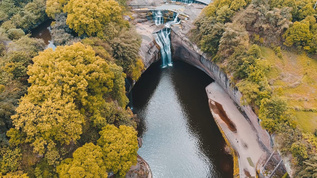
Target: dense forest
<point>256,42</point>
<point>64,112</point>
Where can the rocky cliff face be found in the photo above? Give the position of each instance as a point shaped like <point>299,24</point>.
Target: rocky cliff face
<point>149,51</point>
<point>184,50</point>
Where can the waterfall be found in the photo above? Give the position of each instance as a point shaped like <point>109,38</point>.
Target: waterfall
<point>162,38</point>
<point>184,1</point>
<point>158,17</point>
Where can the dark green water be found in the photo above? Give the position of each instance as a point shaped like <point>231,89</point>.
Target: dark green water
<point>43,32</point>
<point>180,137</point>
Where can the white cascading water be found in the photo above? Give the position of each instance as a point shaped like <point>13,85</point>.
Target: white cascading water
<point>162,38</point>
<point>184,1</point>
<point>158,17</point>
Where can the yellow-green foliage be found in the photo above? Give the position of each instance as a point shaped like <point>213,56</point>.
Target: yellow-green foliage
<point>272,111</point>
<point>312,139</point>
<point>235,5</point>
<point>299,150</point>
<point>90,17</point>
<point>120,148</point>
<point>66,85</point>
<point>87,162</point>
<point>10,160</point>
<point>300,8</point>
<point>120,45</point>
<point>311,167</point>
<point>18,174</point>
<point>210,26</point>
<point>294,77</point>
<point>298,35</point>
<point>135,70</point>
<point>54,7</point>
<point>53,121</point>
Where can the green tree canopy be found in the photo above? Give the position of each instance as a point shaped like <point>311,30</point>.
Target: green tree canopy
<point>90,17</point>
<point>311,167</point>
<point>87,162</point>
<point>298,35</point>
<point>67,85</point>
<point>10,160</point>
<point>120,147</point>
<point>54,7</point>
<point>55,121</point>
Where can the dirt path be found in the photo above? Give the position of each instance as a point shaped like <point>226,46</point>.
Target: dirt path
<point>244,138</point>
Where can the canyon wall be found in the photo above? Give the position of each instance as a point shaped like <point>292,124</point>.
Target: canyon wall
<point>184,50</point>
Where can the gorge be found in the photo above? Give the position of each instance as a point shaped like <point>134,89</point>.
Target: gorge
<point>254,161</point>
<point>192,139</point>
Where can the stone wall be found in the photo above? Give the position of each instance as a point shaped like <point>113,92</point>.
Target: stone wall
<point>149,53</point>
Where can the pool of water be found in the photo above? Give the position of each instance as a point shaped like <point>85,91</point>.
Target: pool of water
<point>180,137</point>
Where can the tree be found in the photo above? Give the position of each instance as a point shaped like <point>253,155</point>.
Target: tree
<point>19,56</point>
<point>67,85</point>
<point>54,7</point>
<point>74,71</point>
<point>120,45</point>
<point>87,162</point>
<point>90,17</point>
<point>238,4</point>
<point>249,90</point>
<point>303,9</point>
<point>299,151</point>
<point>9,8</point>
<point>17,174</point>
<point>233,36</point>
<point>272,112</point>
<point>55,121</point>
<point>273,108</point>
<point>210,41</point>
<point>310,167</point>
<point>112,113</point>
<point>61,33</point>
<point>120,147</point>
<point>15,34</point>
<point>31,15</point>
<point>135,69</point>
<point>298,35</point>
<point>10,160</point>
<point>224,14</point>
<point>125,49</point>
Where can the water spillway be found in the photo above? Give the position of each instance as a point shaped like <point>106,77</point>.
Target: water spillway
<point>184,1</point>
<point>158,17</point>
<point>180,137</point>
<point>163,39</point>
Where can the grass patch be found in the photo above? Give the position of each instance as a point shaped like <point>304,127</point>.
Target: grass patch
<point>294,77</point>
<point>306,120</point>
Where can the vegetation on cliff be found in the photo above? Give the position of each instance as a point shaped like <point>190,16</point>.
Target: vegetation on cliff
<point>64,112</point>
<point>264,47</point>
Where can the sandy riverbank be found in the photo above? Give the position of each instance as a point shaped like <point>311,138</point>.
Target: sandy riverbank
<point>243,139</point>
